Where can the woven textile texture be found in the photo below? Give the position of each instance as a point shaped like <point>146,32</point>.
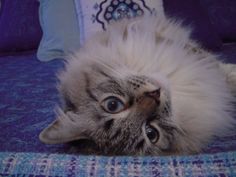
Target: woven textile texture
<point>35,164</point>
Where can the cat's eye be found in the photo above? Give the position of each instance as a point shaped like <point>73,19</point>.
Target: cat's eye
<point>152,133</point>
<point>113,105</point>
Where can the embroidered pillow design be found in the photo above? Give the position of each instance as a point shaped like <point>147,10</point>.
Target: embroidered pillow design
<point>95,15</point>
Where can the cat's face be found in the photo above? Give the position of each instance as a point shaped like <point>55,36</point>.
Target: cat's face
<point>122,113</point>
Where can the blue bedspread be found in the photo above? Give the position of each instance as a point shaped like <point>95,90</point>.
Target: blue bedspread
<point>28,96</point>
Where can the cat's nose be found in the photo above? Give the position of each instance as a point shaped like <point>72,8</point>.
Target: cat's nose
<point>149,101</point>
<point>155,95</point>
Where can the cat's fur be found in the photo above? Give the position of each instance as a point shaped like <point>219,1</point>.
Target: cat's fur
<point>132,59</point>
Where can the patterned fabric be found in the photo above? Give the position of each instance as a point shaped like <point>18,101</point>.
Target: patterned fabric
<point>32,164</point>
<point>19,25</point>
<point>95,15</point>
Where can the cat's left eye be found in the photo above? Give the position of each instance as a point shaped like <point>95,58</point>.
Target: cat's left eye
<point>113,105</point>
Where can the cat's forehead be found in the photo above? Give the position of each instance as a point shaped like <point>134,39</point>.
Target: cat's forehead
<point>117,71</point>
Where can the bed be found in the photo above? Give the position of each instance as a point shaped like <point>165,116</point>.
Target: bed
<point>28,96</point>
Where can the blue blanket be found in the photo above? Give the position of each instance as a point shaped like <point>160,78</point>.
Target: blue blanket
<point>28,96</point>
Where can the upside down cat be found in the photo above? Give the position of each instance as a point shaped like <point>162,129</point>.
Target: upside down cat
<point>144,87</point>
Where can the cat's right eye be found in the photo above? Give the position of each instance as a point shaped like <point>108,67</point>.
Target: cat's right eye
<point>152,133</point>
<point>113,105</point>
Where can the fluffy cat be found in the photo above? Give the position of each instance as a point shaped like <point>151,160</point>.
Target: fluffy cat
<point>144,87</point>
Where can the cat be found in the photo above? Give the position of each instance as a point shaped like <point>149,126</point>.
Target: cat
<point>144,87</point>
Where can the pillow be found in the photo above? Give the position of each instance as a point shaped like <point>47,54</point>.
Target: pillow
<point>94,15</point>
<point>193,14</point>
<point>60,29</point>
<point>19,26</point>
<point>223,16</point>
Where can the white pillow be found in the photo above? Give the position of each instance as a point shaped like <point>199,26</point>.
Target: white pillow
<point>94,15</point>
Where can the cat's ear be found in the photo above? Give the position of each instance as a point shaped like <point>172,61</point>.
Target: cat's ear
<point>64,129</point>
